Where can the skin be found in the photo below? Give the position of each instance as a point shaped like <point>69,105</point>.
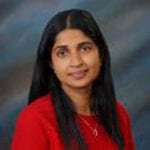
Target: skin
<point>76,63</point>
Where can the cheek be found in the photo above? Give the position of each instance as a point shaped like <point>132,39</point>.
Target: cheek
<point>95,66</point>
<point>94,62</point>
<point>59,67</point>
<point>59,72</point>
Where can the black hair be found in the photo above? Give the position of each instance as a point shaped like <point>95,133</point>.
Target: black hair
<point>103,99</point>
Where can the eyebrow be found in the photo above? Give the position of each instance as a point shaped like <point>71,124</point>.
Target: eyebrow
<point>60,47</point>
<point>85,43</point>
<point>78,45</point>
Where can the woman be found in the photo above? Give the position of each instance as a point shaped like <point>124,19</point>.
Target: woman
<point>72,103</point>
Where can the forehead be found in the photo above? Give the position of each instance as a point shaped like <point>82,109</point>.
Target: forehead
<point>71,37</point>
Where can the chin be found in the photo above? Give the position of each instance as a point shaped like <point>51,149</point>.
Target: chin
<point>80,85</point>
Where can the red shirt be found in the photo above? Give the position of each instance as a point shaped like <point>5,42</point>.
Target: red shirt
<point>37,129</point>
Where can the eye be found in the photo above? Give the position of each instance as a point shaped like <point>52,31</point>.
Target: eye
<point>86,48</point>
<point>62,52</point>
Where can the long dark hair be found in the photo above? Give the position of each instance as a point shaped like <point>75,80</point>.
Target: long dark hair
<point>103,99</point>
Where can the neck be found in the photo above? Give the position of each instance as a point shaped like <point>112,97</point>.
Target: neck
<point>80,98</point>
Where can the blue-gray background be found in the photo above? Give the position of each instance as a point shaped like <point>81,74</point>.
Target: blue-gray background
<point>126,27</point>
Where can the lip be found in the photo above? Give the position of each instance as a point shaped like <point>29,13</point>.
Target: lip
<point>78,74</point>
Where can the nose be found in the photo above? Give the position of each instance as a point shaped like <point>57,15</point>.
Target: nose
<point>76,60</point>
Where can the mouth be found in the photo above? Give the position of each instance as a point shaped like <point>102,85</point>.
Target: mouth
<point>78,74</point>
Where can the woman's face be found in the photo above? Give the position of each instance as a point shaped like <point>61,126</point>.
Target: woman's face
<point>75,59</point>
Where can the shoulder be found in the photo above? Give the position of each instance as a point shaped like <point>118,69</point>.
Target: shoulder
<point>121,108</point>
<point>34,125</point>
<point>125,126</point>
<point>124,120</point>
<point>43,103</point>
<point>122,112</point>
<point>40,109</point>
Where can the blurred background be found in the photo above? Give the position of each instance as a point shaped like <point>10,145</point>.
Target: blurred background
<point>126,27</point>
